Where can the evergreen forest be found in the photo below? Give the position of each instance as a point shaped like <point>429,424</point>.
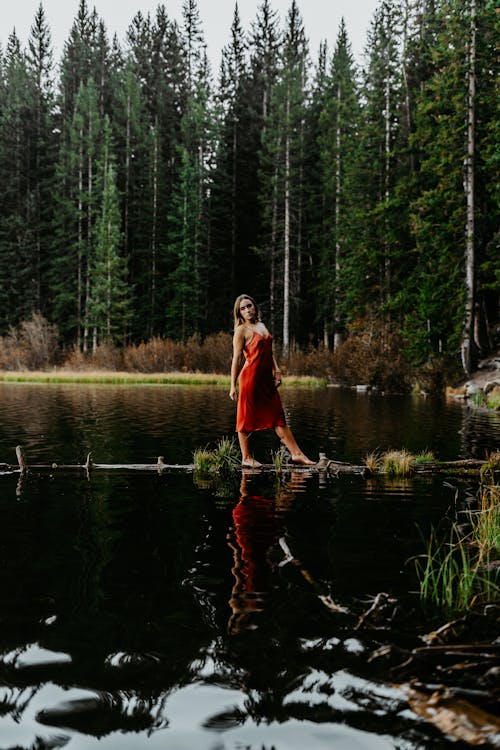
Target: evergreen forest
<point>143,191</point>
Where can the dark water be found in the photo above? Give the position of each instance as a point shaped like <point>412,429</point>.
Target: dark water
<point>147,611</point>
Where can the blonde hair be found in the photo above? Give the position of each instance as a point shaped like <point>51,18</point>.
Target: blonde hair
<point>238,319</point>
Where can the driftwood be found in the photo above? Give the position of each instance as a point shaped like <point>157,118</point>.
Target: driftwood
<point>454,715</point>
<point>324,465</point>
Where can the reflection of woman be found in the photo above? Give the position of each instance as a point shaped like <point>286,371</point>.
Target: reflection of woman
<point>257,528</point>
<point>259,403</point>
<point>255,531</point>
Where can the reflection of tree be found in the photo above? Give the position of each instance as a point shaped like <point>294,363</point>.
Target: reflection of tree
<point>98,572</point>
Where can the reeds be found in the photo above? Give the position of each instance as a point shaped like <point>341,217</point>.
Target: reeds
<point>397,463</point>
<point>460,571</point>
<point>218,468</point>
<point>279,459</point>
<point>223,459</point>
<point>447,576</point>
<point>373,461</point>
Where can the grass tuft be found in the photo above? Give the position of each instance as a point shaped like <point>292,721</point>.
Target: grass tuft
<point>479,399</point>
<point>493,400</point>
<point>279,459</point>
<point>425,457</point>
<point>460,571</point>
<point>203,460</point>
<point>397,463</point>
<point>223,459</point>
<point>373,461</point>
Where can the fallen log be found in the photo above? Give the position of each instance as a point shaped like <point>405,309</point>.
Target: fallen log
<point>436,467</point>
<point>325,465</point>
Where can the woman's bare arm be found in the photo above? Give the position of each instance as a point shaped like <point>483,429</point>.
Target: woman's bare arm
<point>238,343</point>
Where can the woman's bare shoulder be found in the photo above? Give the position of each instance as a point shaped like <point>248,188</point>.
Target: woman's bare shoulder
<point>240,335</point>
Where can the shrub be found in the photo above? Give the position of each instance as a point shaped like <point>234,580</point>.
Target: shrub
<point>104,357</point>
<point>166,355</point>
<point>30,346</point>
<point>314,361</point>
<point>373,356</point>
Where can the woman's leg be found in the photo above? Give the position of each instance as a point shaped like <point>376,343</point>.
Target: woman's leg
<point>246,456</point>
<point>286,436</point>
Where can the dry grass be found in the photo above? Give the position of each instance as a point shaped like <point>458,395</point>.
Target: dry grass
<point>373,461</point>
<point>397,463</point>
<point>115,378</point>
<point>108,377</point>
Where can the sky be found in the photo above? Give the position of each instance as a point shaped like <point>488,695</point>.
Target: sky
<point>321,19</point>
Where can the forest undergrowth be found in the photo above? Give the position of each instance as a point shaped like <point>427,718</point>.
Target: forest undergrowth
<point>372,355</point>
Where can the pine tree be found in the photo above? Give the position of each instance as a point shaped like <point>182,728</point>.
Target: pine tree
<point>283,144</point>
<point>76,64</point>
<point>43,154</point>
<point>316,207</point>
<point>338,141</point>
<point>265,50</point>
<point>135,143</point>
<point>18,292</point>
<point>444,213</point>
<point>76,215</point>
<point>382,251</point>
<point>234,195</point>
<point>187,241</point>
<point>109,297</point>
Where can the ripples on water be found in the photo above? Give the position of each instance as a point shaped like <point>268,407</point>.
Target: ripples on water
<point>151,611</point>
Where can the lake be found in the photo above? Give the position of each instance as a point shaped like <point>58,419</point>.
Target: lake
<point>141,610</point>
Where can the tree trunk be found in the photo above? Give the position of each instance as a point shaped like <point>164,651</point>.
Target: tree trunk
<point>286,258</point>
<point>387,262</point>
<point>468,329</point>
<point>233,206</point>
<point>408,113</point>
<point>79,310</point>
<point>90,176</point>
<point>274,234</point>
<point>337,335</point>
<point>152,300</point>
<point>126,197</point>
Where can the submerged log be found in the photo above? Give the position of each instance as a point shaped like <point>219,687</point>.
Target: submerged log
<point>324,465</point>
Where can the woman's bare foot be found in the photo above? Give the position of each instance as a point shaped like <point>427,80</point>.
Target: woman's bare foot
<point>301,458</point>
<point>251,463</point>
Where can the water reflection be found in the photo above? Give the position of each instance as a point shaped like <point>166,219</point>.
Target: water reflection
<point>254,531</point>
<point>139,611</point>
<point>257,530</point>
<point>127,424</point>
<point>150,611</point>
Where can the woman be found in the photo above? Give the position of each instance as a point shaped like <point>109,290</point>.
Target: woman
<point>259,403</point>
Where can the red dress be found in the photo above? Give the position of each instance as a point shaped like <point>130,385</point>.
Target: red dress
<point>259,403</point>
